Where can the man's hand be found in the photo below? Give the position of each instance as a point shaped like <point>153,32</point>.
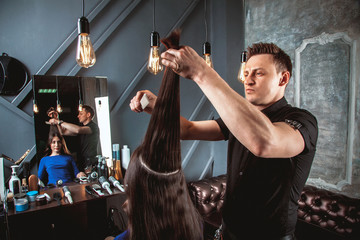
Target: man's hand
<point>54,121</point>
<point>135,104</point>
<point>52,113</point>
<point>81,174</point>
<point>185,62</point>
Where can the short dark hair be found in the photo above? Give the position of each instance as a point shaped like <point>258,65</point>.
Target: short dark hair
<point>281,59</point>
<point>90,110</point>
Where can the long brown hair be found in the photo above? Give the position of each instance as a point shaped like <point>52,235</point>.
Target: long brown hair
<point>159,206</point>
<point>54,132</point>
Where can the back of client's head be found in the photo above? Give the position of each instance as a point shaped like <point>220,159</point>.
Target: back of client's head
<point>159,206</point>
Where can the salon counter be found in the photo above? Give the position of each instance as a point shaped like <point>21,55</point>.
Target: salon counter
<point>86,218</point>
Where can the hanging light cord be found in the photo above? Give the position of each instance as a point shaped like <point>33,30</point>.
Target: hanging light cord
<point>153,15</point>
<point>33,83</point>
<point>57,89</point>
<point>206,32</point>
<point>79,86</point>
<point>83,8</point>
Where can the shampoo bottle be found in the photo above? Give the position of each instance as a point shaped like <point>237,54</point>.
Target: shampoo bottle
<point>14,182</point>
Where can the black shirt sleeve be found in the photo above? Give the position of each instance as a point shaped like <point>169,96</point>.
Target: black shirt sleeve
<point>308,128</point>
<point>225,131</point>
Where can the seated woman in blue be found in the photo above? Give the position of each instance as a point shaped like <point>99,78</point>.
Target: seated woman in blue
<point>58,164</point>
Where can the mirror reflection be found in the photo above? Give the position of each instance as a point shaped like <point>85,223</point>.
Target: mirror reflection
<point>66,128</point>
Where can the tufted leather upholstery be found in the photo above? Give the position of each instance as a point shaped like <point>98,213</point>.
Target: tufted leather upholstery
<point>332,211</point>
<point>321,215</point>
<point>208,197</point>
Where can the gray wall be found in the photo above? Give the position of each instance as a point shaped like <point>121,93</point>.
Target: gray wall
<point>42,35</point>
<point>324,34</point>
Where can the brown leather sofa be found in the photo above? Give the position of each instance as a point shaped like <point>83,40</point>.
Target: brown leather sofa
<point>321,215</point>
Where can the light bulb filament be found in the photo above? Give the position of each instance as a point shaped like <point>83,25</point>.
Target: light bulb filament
<point>59,108</point>
<point>207,58</point>
<point>154,65</point>
<point>241,74</point>
<point>85,55</point>
<point>35,108</point>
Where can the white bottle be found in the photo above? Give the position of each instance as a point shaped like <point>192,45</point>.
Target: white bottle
<point>14,182</point>
<point>125,156</point>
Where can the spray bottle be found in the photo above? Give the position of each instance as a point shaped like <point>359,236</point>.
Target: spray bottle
<point>14,182</point>
<point>125,156</point>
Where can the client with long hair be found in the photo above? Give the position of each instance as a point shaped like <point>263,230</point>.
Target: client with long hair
<point>58,163</point>
<point>158,204</point>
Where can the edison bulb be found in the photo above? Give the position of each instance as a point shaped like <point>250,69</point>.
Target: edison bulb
<point>35,107</point>
<point>207,58</point>
<point>85,55</point>
<point>80,108</point>
<point>207,54</point>
<point>154,65</point>
<point>59,108</point>
<point>241,76</point>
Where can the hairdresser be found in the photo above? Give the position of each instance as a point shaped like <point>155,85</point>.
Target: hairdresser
<point>271,144</point>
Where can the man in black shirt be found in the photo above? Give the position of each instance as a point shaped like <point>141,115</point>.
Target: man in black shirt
<point>271,144</point>
<point>88,132</point>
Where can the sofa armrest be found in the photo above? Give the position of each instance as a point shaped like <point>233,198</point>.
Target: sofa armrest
<point>208,198</point>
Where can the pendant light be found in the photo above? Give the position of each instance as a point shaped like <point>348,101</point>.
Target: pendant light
<point>241,76</point>
<point>58,104</point>
<point>85,55</point>
<point>154,64</point>
<point>80,108</point>
<point>207,54</point>
<point>206,45</point>
<point>35,106</point>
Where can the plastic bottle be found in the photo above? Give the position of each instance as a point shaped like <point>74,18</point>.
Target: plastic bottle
<point>24,186</point>
<point>14,182</point>
<point>102,169</point>
<point>106,169</point>
<point>116,151</point>
<point>125,156</point>
<point>99,165</point>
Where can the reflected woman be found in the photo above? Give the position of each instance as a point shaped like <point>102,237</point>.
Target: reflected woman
<point>58,164</point>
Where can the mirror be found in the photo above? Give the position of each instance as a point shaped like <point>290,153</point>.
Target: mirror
<point>68,90</point>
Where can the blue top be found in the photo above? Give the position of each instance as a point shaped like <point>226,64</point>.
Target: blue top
<point>122,236</point>
<point>57,167</point>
